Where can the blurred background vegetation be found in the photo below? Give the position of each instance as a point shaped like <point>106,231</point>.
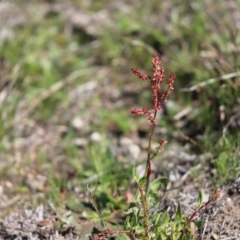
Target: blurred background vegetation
<point>66,88</point>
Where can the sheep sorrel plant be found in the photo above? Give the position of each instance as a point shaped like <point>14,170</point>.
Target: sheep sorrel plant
<point>146,193</point>
<point>143,221</point>
<point>137,222</point>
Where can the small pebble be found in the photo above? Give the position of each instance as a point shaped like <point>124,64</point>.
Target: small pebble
<point>81,142</point>
<point>214,236</point>
<point>96,136</point>
<point>134,151</point>
<point>77,123</point>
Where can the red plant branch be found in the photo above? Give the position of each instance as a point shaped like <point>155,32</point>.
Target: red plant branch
<point>213,198</point>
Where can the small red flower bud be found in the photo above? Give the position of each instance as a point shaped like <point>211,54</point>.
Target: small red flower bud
<point>149,170</point>
<point>162,143</point>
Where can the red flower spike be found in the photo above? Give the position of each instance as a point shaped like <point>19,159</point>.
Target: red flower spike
<point>156,81</point>
<point>170,88</point>
<point>139,74</point>
<point>162,143</point>
<point>140,111</point>
<point>156,65</point>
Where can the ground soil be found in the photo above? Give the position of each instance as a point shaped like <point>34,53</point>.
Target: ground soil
<point>21,221</point>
